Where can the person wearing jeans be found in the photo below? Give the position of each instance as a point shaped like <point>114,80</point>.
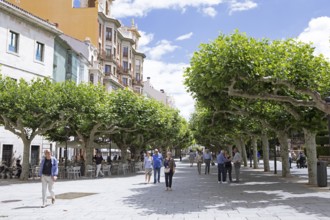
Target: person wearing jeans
<point>169,168</point>
<point>228,166</point>
<point>157,159</point>
<point>207,160</point>
<point>221,167</point>
<point>48,172</point>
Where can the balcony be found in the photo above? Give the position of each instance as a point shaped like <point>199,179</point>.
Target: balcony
<point>103,55</point>
<point>124,71</point>
<point>111,77</point>
<point>137,82</point>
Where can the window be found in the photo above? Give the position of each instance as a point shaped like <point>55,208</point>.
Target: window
<point>107,69</point>
<point>115,37</point>
<point>83,3</point>
<point>137,76</point>
<point>100,30</point>
<point>125,82</point>
<point>108,34</point>
<point>137,65</point>
<point>107,8</point>
<point>125,51</point>
<point>125,66</point>
<point>114,51</point>
<point>40,52</point>
<point>114,70</point>
<point>91,78</point>
<point>108,51</point>
<point>13,42</point>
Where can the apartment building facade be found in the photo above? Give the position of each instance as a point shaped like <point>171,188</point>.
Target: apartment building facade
<point>117,57</point>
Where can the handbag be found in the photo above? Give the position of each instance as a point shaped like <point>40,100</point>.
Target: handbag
<point>167,170</point>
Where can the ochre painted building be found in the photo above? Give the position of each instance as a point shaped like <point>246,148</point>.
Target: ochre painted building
<point>78,22</point>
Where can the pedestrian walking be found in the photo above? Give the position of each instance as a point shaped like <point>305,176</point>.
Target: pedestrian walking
<point>157,159</point>
<point>169,169</point>
<point>237,163</point>
<point>148,167</point>
<point>221,167</point>
<point>228,166</point>
<point>199,160</point>
<point>207,160</point>
<point>192,156</point>
<point>48,173</point>
<point>98,160</point>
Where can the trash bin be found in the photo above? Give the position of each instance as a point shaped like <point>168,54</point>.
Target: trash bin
<point>322,180</point>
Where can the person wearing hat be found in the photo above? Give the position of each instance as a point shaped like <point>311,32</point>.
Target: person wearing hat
<point>157,164</point>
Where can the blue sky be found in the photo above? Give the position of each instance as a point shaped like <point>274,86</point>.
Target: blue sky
<point>173,29</point>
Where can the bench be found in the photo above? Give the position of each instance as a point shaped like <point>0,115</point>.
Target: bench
<point>325,158</point>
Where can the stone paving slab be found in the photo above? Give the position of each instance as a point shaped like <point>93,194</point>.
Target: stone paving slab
<point>259,196</point>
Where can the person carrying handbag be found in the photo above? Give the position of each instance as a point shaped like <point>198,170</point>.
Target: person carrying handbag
<point>169,169</point>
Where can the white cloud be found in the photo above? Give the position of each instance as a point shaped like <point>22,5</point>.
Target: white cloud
<point>145,38</point>
<point>163,47</point>
<point>139,8</point>
<point>185,36</point>
<point>318,32</point>
<point>209,11</point>
<point>169,76</point>
<point>245,5</point>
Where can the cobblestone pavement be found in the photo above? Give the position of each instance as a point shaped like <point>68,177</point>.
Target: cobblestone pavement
<point>259,196</point>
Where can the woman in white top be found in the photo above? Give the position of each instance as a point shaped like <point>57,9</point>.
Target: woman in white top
<point>148,167</point>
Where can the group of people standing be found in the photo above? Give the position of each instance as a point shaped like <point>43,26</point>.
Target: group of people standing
<point>224,160</point>
<point>155,163</point>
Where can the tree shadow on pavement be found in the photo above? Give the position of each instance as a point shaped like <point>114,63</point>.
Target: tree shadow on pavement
<point>193,193</point>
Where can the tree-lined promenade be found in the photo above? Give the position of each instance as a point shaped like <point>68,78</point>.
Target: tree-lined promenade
<point>59,110</point>
<point>254,89</point>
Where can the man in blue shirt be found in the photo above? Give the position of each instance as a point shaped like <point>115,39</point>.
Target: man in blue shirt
<point>221,159</point>
<point>157,164</point>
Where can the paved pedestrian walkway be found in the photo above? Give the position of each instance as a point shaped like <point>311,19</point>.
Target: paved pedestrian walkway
<point>259,196</point>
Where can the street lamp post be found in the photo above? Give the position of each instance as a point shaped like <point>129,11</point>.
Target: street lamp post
<point>250,155</point>
<point>67,129</point>
<point>327,100</point>
<point>275,162</point>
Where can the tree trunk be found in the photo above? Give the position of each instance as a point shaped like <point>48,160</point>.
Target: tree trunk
<point>265,151</point>
<point>124,153</point>
<point>310,144</point>
<point>26,159</point>
<point>230,150</point>
<point>283,139</point>
<point>255,152</point>
<point>244,155</point>
<point>89,152</point>
<point>238,144</point>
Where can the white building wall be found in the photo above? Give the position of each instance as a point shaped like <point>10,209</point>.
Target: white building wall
<point>8,138</point>
<point>23,64</point>
<point>150,92</point>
